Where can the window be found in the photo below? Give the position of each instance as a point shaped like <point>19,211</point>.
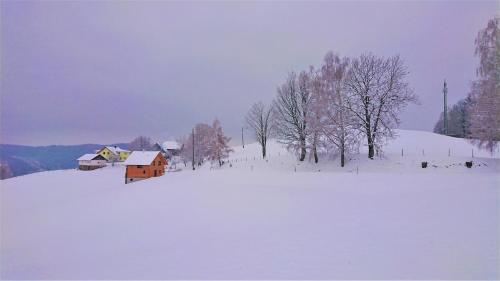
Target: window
<point>144,172</point>
<point>159,163</point>
<point>139,166</point>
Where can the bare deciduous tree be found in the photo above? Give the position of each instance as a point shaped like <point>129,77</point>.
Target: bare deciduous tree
<point>141,143</point>
<point>340,126</point>
<point>315,118</point>
<point>291,109</point>
<point>184,153</point>
<point>377,92</point>
<point>5,171</point>
<point>485,92</point>
<point>259,120</point>
<point>332,107</point>
<point>202,134</point>
<point>218,144</point>
<point>209,143</point>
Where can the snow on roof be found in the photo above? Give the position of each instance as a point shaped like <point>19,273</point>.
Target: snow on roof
<point>141,157</point>
<point>116,149</point>
<point>88,156</point>
<point>170,145</point>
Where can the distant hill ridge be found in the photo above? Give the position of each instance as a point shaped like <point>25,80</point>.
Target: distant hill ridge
<point>18,160</point>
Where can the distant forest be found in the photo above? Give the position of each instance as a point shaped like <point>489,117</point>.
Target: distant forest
<point>458,120</point>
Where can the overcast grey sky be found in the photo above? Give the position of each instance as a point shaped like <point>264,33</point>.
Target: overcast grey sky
<point>101,72</point>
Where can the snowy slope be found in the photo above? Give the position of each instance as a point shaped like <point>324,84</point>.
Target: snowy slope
<point>417,147</point>
<point>388,221</point>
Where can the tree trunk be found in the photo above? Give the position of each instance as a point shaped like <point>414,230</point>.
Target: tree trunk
<point>368,127</point>
<point>315,152</point>
<point>302,149</point>
<point>263,144</point>
<point>342,155</point>
<point>371,150</point>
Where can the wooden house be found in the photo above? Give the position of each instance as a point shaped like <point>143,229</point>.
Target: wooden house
<point>113,153</point>
<point>144,164</point>
<point>91,162</point>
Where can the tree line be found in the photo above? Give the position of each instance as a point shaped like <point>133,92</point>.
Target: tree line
<point>333,108</point>
<point>477,117</point>
<point>458,120</point>
<point>204,143</point>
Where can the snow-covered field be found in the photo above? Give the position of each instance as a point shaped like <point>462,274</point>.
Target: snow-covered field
<point>374,219</point>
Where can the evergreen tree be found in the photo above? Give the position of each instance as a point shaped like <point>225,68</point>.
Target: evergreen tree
<point>458,120</point>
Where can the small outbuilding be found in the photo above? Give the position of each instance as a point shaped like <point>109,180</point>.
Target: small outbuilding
<point>89,162</point>
<point>158,147</point>
<point>144,164</point>
<point>172,148</point>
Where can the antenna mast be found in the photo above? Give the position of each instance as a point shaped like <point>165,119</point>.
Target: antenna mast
<point>445,112</point>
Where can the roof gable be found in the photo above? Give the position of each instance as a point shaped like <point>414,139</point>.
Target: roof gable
<point>91,156</point>
<point>116,149</point>
<point>157,147</point>
<point>113,149</point>
<point>141,157</point>
<point>105,148</point>
<point>99,157</point>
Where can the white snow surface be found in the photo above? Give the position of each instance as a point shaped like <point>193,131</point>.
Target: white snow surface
<point>141,157</point>
<point>385,218</point>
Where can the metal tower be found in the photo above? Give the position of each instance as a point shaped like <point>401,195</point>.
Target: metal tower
<point>445,112</point>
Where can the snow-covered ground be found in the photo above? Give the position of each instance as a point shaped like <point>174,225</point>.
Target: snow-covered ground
<point>374,219</point>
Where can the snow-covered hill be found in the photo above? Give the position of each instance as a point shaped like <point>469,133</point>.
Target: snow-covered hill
<point>374,219</point>
<point>402,154</point>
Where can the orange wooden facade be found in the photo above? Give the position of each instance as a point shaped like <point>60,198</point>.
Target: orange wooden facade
<point>155,169</point>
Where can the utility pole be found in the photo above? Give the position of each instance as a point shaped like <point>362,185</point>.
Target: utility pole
<point>445,112</point>
<point>193,150</point>
<point>242,141</point>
